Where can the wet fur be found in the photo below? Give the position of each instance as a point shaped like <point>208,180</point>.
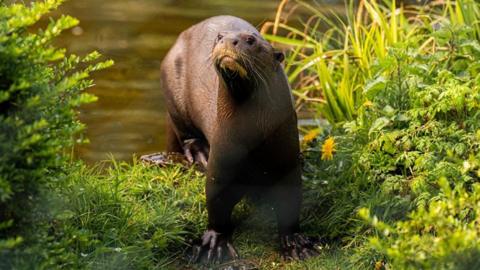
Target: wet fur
<point>242,114</point>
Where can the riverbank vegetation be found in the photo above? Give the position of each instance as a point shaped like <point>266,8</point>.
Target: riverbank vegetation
<point>391,182</point>
<point>399,86</point>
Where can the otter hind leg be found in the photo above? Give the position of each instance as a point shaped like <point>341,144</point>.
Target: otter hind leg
<point>172,142</point>
<point>287,197</point>
<point>196,152</point>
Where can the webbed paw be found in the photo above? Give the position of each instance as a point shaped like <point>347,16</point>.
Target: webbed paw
<point>297,247</point>
<point>213,248</point>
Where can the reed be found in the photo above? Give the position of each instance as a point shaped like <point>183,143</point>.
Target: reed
<point>330,70</point>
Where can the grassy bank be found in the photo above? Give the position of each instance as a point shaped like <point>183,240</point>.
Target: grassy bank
<point>392,182</point>
<point>114,216</point>
<point>136,216</point>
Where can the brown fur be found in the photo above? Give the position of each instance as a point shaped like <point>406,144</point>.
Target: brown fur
<point>227,96</point>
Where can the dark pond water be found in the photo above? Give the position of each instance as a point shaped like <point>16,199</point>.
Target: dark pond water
<point>128,118</point>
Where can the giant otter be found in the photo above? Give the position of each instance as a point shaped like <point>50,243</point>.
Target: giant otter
<point>230,109</point>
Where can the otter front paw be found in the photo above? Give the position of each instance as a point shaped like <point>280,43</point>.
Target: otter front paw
<point>196,152</point>
<point>213,247</point>
<point>297,247</point>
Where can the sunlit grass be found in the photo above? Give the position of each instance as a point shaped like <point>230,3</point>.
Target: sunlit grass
<point>122,215</point>
<point>329,70</point>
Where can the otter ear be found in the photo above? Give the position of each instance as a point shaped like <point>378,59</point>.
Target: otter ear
<point>279,56</point>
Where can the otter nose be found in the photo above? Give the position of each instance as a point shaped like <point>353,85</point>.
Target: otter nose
<point>250,39</point>
<point>246,40</point>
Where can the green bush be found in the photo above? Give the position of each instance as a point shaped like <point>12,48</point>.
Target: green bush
<point>421,124</point>
<point>442,235</point>
<point>332,55</point>
<point>433,135</point>
<point>40,88</point>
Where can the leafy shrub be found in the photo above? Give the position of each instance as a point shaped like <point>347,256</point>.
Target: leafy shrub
<point>420,124</point>
<point>40,88</point>
<point>415,97</point>
<point>436,138</point>
<point>441,235</point>
<point>332,56</point>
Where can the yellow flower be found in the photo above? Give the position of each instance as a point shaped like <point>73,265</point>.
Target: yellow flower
<point>368,103</point>
<point>312,134</point>
<point>328,148</point>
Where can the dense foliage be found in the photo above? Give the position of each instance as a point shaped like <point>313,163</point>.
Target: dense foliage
<point>409,161</point>
<point>391,181</point>
<point>40,88</point>
<point>332,57</point>
<point>428,150</point>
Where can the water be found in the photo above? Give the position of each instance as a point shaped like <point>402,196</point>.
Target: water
<point>128,118</point>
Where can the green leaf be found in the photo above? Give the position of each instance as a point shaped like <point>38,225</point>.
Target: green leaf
<point>372,88</point>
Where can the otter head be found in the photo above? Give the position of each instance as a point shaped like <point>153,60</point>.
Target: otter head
<point>244,61</point>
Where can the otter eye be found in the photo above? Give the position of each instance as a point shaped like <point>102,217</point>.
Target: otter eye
<point>250,40</point>
<point>219,36</point>
<point>279,56</point>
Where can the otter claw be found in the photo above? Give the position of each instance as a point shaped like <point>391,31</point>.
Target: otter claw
<point>297,247</point>
<point>195,253</point>
<point>196,152</point>
<point>232,251</point>
<point>213,248</point>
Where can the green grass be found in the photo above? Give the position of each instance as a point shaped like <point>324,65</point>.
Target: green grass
<point>134,216</point>
<point>330,70</point>
<point>139,215</point>
<point>129,216</point>
<point>118,216</point>
<point>258,244</point>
